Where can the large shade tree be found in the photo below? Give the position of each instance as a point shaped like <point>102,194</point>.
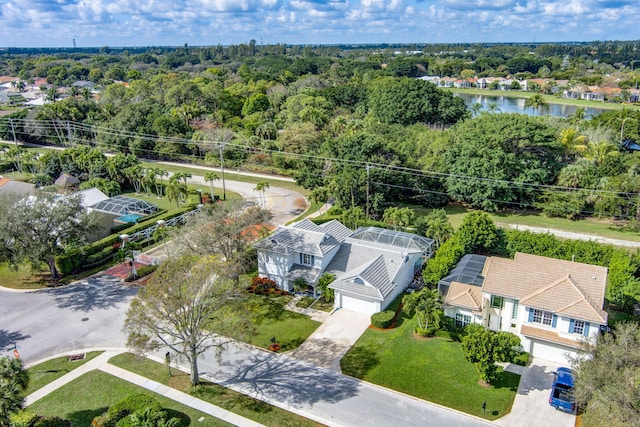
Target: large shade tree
<point>188,306</point>
<point>226,230</point>
<point>37,229</point>
<point>607,378</point>
<point>497,159</point>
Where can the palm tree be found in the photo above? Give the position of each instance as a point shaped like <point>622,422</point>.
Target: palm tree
<point>572,142</point>
<point>426,304</point>
<point>493,108</point>
<point>599,151</point>
<point>13,382</point>
<point>319,195</point>
<point>536,102</point>
<point>176,191</point>
<point>74,91</point>
<point>86,93</point>
<point>149,179</point>
<point>576,118</point>
<point>52,94</point>
<point>261,187</point>
<point>475,108</point>
<point>161,173</point>
<point>210,177</point>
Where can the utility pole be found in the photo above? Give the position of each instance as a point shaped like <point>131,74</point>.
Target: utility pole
<point>224,188</point>
<point>69,134</point>
<point>13,131</point>
<point>367,206</point>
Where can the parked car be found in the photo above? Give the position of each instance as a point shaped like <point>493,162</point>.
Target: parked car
<point>562,391</point>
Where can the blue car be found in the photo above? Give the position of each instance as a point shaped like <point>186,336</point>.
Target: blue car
<point>562,391</point>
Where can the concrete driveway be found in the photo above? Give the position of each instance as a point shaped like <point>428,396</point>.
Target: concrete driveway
<point>531,405</point>
<point>326,346</point>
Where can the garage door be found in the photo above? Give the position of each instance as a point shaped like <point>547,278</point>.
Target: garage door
<point>552,352</point>
<point>358,305</point>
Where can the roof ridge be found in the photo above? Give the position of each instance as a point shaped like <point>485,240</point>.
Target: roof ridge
<point>544,288</point>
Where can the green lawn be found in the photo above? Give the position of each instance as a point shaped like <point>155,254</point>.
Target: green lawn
<point>273,320</point>
<point>49,371</point>
<point>432,369</point>
<point>25,277</point>
<point>217,395</point>
<point>90,395</point>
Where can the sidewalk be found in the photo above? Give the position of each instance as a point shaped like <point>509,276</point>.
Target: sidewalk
<point>101,363</point>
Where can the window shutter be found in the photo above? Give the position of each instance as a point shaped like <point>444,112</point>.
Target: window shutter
<point>554,321</point>
<point>572,325</point>
<point>530,314</point>
<point>586,329</point>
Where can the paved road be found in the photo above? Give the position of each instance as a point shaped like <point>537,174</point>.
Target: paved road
<point>87,314</point>
<point>322,394</point>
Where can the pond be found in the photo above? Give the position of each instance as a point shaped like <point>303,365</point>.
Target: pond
<point>507,104</point>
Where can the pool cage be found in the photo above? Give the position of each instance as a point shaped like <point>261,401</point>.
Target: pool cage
<point>123,205</point>
<point>398,239</point>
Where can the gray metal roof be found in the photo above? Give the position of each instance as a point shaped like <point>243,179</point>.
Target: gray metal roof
<point>397,239</point>
<point>299,238</point>
<point>309,274</point>
<point>122,205</point>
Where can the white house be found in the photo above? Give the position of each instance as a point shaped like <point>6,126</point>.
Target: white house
<point>372,265</point>
<point>552,305</point>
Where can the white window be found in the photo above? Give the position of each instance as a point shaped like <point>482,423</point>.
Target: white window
<point>543,317</point>
<point>462,320</point>
<point>514,310</point>
<point>578,327</point>
<point>306,259</point>
<point>496,301</point>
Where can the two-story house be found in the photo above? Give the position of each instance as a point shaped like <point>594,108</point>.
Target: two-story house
<point>552,305</point>
<point>372,265</point>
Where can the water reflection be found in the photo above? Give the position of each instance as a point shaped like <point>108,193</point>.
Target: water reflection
<point>506,104</point>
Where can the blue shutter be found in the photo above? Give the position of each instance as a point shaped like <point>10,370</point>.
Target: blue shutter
<point>530,314</point>
<point>586,329</point>
<point>554,321</point>
<point>572,325</point>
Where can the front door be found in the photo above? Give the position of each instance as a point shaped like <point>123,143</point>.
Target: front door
<point>494,322</point>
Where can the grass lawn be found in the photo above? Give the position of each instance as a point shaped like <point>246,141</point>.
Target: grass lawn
<point>24,278</point>
<point>49,371</point>
<point>225,398</point>
<point>90,395</point>
<point>273,320</point>
<point>431,369</point>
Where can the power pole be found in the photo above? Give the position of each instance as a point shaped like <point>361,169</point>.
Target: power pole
<point>224,188</point>
<point>367,205</point>
<point>13,131</point>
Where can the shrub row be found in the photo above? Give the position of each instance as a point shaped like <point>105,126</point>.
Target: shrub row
<point>383,319</point>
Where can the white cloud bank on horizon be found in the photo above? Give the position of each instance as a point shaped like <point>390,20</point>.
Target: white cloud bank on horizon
<point>43,23</point>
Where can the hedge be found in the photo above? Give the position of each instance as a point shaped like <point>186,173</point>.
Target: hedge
<point>383,319</point>
<point>101,249</point>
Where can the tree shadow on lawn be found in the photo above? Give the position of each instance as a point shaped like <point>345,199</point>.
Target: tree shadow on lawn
<point>84,417</point>
<point>507,380</point>
<point>358,362</point>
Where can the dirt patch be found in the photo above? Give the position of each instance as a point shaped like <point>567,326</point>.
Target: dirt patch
<point>422,338</point>
<point>300,203</point>
<point>483,384</point>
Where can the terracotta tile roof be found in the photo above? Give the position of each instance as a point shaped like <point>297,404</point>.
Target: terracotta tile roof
<point>570,288</point>
<point>547,335</point>
<point>3,181</point>
<point>465,296</point>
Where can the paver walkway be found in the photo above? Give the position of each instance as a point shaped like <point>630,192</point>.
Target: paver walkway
<point>317,315</point>
<point>101,363</point>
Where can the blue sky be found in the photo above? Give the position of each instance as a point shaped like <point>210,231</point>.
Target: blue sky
<point>53,23</point>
